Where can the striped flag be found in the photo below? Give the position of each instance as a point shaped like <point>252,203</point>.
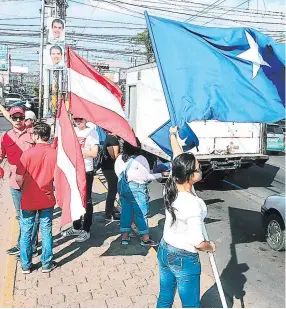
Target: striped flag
<point>70,177</point>
<point>96,98</point>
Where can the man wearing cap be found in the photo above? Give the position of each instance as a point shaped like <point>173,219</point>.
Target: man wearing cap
<point>13,144</point>
<point>30,116</point>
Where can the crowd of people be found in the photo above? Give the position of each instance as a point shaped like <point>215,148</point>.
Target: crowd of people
<point>32,159</point>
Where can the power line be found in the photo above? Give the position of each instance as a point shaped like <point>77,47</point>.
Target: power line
<point>205,9</point>
<point>179,13</point>
<point>106,21</point>
<point>226,12</point>
<point>107,9</point>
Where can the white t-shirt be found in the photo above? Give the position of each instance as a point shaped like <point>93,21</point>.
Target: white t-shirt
<point>139,170</point>
<point>186,232</point>
<point>87,139</point>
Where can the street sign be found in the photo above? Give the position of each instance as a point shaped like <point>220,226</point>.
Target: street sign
<point>3,58</point>
<point>19,69</point>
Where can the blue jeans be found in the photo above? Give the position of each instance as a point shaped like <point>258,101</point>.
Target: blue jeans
<point>134,199</point>
<point>178,268</point>
<point>27,223</point>
<point>16,197</point>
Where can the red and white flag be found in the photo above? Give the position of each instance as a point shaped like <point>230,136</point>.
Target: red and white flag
<point>96,98</point>
<point>70,177</point>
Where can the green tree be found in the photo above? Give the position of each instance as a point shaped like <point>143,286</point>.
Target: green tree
<point>143,38</point>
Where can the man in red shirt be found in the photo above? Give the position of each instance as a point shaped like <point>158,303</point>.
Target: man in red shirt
<point>13,143</point>
<point>35,176</point>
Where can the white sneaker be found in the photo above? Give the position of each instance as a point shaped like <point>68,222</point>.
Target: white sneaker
<point>71,232</point>
<point>83,236</point>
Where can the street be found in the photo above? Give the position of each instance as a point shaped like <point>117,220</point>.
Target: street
<point>4,124</point>
<point>250,271</point>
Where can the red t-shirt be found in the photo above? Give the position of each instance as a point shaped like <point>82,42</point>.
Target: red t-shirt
<point>37,165</point>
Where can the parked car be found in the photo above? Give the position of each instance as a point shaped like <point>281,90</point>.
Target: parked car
<point>13,97</point>
<point>275,138</point>
<point>27,97</point>
<point>273,218</point>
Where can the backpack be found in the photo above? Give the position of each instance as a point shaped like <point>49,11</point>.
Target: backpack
<point>97,161</point>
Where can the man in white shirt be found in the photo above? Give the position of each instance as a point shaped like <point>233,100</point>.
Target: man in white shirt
<point>89,141</point>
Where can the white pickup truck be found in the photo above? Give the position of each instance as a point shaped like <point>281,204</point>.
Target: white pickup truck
<point>224,146</point>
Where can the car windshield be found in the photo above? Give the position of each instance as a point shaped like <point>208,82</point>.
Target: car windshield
<point>16,96</point>
<point>274,129</point>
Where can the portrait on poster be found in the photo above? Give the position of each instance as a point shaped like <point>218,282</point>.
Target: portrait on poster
<point>54,56</point>
<point>56,30</point>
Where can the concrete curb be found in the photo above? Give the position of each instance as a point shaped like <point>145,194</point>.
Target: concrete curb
<point>6,296</point>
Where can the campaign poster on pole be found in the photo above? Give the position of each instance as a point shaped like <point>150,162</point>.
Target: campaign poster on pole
<point>54,57</point>
<point>56,30</point>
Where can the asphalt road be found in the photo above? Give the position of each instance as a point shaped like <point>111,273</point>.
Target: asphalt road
<point>252,274</point>
<point>4,124</point>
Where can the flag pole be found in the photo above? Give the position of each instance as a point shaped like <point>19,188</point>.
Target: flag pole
<point>215,271</point>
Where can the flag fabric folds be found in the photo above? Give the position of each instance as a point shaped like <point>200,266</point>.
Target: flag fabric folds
<point>225,74</point>
<point>94,97</point>
<point>70,176</point>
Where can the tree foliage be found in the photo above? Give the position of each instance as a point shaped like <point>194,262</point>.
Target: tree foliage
<point>143,38</point>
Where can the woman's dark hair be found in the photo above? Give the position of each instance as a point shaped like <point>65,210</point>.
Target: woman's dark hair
<point>183,168</point>
<point>129,150</point>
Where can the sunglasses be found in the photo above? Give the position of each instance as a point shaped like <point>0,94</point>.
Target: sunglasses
<point>15,118</point>
<point>78,119</point>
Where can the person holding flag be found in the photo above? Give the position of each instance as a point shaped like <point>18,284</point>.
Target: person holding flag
<point>178,257</point>
<point>89,140</point>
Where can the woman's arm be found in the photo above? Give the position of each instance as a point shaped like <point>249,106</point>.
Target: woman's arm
<point>5,113</point>
<point>141,170</point>
<point>176,147</point>
<point>92,153</point>
<point>195,229</point>
<point>113,151</point>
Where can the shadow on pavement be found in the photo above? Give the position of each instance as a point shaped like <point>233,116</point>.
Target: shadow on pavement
<point>253,177</point>
<point>245,227</point>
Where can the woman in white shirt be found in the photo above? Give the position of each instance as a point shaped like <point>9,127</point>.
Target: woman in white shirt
<point>133,172</point>
<point>178,256</point>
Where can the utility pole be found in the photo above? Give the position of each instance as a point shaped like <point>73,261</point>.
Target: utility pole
<point>41,56</point>
<point>58,75</point>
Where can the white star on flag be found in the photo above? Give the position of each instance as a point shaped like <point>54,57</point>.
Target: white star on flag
<point>182,142</point>
<point>253,55</point>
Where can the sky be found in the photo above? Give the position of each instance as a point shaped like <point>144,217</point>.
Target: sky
<point>125,23</point>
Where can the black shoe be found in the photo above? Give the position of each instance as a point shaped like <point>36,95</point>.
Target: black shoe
<point>149,243</point>
<point>113,217</point>
<point>48,269</point>
<point>28,270</point>
<point>13,251</point>
<point>116,211</point>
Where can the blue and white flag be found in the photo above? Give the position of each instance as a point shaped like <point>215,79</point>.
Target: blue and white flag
<point>225,74</point>
<point>101,135</point>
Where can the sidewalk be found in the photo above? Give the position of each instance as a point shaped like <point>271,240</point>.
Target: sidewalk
<point>99,273</point>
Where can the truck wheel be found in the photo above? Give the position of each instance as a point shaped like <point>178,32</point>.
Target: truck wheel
<point>275,232</point>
